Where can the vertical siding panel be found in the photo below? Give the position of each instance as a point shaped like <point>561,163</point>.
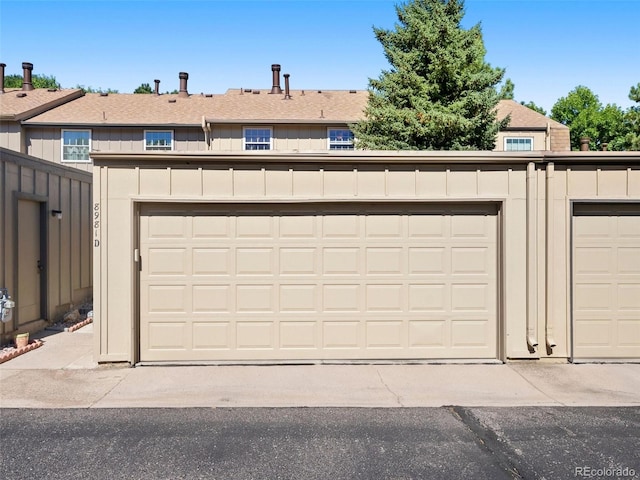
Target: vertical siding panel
<point>54,244</point>
<point>612,182</point>
<point>65,241</point>
<point>153,181</point>
<point>278,182</point>
<point>217,182</point>
<point>401,182</point>
<point>633,182</point>
<point>248,182</point>
<point>431,182</point>
<point>76,226</point>
<point>307,183</point>
<point>85,235</point>
<point>371,182</point>
<point>493,182</point>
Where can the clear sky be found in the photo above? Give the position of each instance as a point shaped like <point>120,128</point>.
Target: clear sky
<point>548,47</point>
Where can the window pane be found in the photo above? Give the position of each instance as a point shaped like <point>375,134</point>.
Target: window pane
<point>340,139</point>
<point>75,145</point>
<point>158,140</point>
<point>257,139</point>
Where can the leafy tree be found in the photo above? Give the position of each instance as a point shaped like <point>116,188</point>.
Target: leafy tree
<point>506,92</point>
<point>439,94</point>
<point>143,88</point>
<point>583,113</point>
<point>38,81</point>
<point>95,90</point>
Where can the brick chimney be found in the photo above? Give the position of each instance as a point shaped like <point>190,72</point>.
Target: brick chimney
<point>184,76</point>
<point>26,82</point>
<point>275,69</point>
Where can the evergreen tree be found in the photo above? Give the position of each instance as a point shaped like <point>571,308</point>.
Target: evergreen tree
<point>439,94</point>
<point>143,88</point>
<point>632,120</point>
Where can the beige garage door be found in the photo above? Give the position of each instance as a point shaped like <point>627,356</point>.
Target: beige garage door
<point>606,277</point>
<point>322,281</point>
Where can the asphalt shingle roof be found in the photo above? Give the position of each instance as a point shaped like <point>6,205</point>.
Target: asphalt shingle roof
<point>233,106</point>
<point>16,104</point>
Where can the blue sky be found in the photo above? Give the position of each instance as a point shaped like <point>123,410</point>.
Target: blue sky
<point>548,47</point>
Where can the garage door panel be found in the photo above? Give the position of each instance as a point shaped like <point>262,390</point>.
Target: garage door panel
<point>287,282</point>
<point>606,281</point>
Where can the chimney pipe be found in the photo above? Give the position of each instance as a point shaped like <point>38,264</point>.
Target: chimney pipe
<point>184,76</point>
<point>2,65</point>
<point>584,144</point>
<point>275,69</point>
<point>287,96</point>
<point>157,90</point>
<point>26,82</point>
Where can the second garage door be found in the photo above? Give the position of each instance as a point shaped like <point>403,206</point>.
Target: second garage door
<point>322,281</point>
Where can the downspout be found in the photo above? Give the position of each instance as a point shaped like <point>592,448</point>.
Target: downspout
<point>532,257</point>
<point>550,340</point>
<point>206,128</point>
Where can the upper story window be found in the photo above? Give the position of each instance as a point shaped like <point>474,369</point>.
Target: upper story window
<point>257,138</point>
<point>518,144</point>
<point>340,139</point>
<point>158,140</point>
<point>76,145</point>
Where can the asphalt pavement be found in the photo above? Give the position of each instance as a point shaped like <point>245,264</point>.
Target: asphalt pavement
<point>554,443</point>
<point>63,374</point>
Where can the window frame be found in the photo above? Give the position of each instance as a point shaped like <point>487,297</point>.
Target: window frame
<point>506,139</point>
<point>171,144</point>
<point>339,145</point>
<point>245,143</point>
<point>63,145</point>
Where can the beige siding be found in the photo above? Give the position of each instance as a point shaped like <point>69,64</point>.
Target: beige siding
<point>67,258</point>
<point>539,139</point>
<point>10,136</point>
<point>122,188</point>
<point>285,137</point>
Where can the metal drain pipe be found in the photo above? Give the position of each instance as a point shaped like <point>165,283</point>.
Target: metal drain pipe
<point>532,246</point>
<point>550,340</point>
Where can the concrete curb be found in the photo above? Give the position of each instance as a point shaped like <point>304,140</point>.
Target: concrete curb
<point>16,352</point>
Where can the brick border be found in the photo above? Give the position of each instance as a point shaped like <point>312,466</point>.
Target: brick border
<point>9,354</point>
<point>79,325</point>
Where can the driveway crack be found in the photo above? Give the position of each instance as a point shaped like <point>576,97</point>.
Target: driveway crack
<point>497,447</point>
<point>397,397</point>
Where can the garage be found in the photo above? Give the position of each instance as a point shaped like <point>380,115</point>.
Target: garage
<point>606,281</point>
<point>317,281</point>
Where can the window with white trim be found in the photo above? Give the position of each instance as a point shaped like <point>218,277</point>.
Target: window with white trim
<point>158,140</point>
<point>518,144</point>
<point>340,139</point>
<point>257,138</point>
<point>76,145</point>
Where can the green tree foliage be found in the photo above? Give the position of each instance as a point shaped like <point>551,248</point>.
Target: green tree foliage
<point>535,107</point>
<point>506,92</point>
<point>143,88</point>
<point>439,94</point>
<point>632,121</point>
<point>583,113</point>
<point>38,81</point>
<point>95,90</point>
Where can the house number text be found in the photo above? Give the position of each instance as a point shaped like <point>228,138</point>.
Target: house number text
<point>96,224</point>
